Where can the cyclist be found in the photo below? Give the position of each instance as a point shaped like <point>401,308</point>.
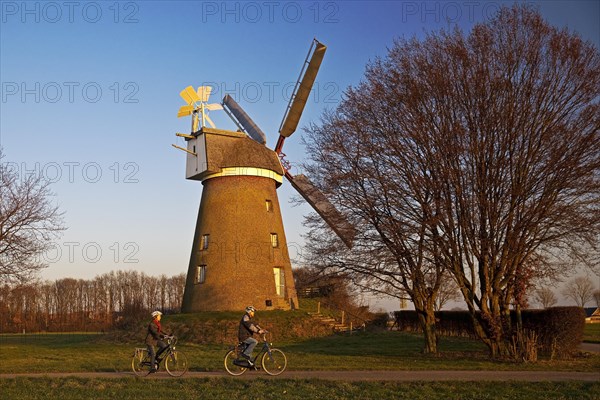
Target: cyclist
<point>153,338</point>
<point>246,330</point>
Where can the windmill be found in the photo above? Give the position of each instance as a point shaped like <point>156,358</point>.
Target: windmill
<point>240,253</point>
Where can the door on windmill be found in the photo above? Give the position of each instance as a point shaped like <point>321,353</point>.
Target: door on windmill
<point>279,281</point>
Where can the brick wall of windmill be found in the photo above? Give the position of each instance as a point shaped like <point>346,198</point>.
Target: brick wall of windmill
<point>235,246</point>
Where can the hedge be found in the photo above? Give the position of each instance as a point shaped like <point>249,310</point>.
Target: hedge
<point>559,329</point>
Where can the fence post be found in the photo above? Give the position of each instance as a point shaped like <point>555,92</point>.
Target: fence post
<point>343,317</point>
<point>319,307</point>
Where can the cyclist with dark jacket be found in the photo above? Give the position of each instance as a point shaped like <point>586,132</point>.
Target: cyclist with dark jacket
<point>246,330</point>
<point>153,338</point>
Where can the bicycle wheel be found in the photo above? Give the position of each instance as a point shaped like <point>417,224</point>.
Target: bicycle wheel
<point>176,363</point>
<point>275,363</point>
<point>140,363</point>
<point>231,368</point>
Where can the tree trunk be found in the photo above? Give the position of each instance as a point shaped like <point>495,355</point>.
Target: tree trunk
<point>427,321</point>
<point>519,318</point>
<point>488,328</point>
<point>430,339</point>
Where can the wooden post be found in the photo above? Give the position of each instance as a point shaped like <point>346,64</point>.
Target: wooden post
<point>343,317</point>
<point>319,307</point>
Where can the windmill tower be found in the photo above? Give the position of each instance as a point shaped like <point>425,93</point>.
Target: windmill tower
<point>239,253</point>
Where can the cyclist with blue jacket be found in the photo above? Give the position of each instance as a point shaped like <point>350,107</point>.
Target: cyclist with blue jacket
<point>246,330</point>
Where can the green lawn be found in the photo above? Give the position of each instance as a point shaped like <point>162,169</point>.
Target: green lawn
<point>360,351</point>
<point>365,351</point>
<point>591,333</point>
<point>230,388</point>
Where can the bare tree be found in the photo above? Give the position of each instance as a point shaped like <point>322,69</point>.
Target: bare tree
<point>546,297</point>
<point>175,291</point>
<point>596,295</point>
<point>374,175</point>
<point>520,185</point>
<point>326,282</point>
<point>375,183</point>
<point>473,153</point>
<point>449,291</point>
<point>28,222</point>
<point>580,290</point>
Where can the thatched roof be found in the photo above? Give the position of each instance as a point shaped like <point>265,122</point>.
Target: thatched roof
<point>226,149</point>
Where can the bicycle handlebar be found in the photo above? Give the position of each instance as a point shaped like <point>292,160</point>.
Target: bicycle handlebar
<point>172,339</point>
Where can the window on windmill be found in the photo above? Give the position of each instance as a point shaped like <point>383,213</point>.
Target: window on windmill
<point>269,205</point>
<point>200,273</point>
<point>204,242</point>
<point>274,240</point>
<point>279,281</point>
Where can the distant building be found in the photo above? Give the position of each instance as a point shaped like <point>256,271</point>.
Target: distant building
<point>592,315</point>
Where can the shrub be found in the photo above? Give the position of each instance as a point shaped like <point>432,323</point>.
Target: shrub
<point>378,321</point>
<point>524,346</point>
<point>448,323</point>
<point>407,321</point>
<point>559,329</point>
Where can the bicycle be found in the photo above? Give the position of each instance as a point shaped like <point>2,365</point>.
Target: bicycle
<point>176,362</point>
<point>273,360</point>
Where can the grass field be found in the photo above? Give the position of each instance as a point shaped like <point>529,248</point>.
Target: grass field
<point>229,388</point>
<point>591,333</point>
<point>79,352</point>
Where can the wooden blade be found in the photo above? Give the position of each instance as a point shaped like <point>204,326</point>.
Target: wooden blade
<point>184,111</point>
<point>204,93</point>
<point>324,208</point>
<point>244,120</point>
<point>189,95</point>
<point>299,98</point>
<point>213,107</point>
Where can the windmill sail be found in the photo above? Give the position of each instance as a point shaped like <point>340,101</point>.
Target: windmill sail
<point>324,208</point>
<point>244,121</point>
<point>204,93</point>
<point>189,95</point>
<point>301,93</point>
<point>184,111</point>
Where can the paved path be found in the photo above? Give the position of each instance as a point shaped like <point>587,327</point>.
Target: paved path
<point>590,347</point>
<point>397,376</point>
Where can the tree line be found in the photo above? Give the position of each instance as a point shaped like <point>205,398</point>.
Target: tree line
<point>99,304</point>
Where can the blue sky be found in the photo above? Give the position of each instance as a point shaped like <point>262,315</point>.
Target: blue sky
<point>90,93</point>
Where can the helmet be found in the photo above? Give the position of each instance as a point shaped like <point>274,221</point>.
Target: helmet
<point>155,313</point>
<point>250,309</point>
